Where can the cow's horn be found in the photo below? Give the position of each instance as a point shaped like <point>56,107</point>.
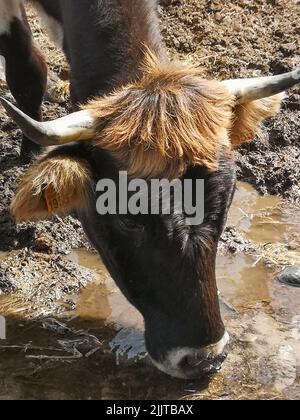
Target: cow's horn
<point>247,90</point>
<point>74,127</point>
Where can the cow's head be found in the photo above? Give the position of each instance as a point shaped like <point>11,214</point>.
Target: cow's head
<point>171,123</point>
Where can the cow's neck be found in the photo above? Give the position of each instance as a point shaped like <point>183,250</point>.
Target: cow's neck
<point>105,43</point>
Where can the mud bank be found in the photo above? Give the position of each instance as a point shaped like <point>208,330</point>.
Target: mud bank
<point>247,38</point>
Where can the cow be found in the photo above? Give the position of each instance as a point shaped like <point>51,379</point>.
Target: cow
<point>138,112</point>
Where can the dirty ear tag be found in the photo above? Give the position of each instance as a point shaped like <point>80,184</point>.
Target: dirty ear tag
<point>53,200</point>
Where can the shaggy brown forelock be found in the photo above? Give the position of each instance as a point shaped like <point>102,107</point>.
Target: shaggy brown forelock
<point>168,120</point>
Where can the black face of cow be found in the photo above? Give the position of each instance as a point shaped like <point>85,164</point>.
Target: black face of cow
<point>164,264</point>
<point>166,269</point>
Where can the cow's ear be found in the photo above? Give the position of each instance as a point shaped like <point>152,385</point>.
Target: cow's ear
<point>53,185</point>
<point>249,116</point>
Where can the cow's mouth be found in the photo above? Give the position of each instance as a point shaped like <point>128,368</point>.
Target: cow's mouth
<point>189,363</point>
<point>195,369</point>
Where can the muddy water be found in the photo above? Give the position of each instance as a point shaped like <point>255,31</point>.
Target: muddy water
<point>98,350</point>
<point>264,219</point>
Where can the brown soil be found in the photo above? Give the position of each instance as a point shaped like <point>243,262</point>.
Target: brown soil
<point>247,38</point>
<point>29,272</point>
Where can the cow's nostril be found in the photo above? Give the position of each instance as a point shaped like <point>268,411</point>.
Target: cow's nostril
<point>196,364</point>
<point>188,361</point>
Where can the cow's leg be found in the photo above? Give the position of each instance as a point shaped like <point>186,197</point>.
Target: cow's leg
<point>26,70</point>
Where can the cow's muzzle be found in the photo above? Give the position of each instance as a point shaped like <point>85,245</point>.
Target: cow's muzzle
<point>192,363</point>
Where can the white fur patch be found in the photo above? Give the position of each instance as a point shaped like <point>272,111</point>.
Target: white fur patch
<point>170,365</point>
<point>9,9</point>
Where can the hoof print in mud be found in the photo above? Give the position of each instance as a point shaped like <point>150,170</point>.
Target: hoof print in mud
<point>290,276</point>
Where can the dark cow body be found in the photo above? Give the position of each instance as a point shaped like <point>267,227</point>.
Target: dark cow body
<point>52,8</point>
<point>26,73</point>
<point>103,41</point>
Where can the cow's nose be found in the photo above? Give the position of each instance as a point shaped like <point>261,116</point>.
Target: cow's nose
<point>192,363</point>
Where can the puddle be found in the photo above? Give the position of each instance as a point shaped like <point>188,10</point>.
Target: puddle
<point>102,301</point>
<point>101,343</point>
<point>263,219</point>
<point>240,281</point>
